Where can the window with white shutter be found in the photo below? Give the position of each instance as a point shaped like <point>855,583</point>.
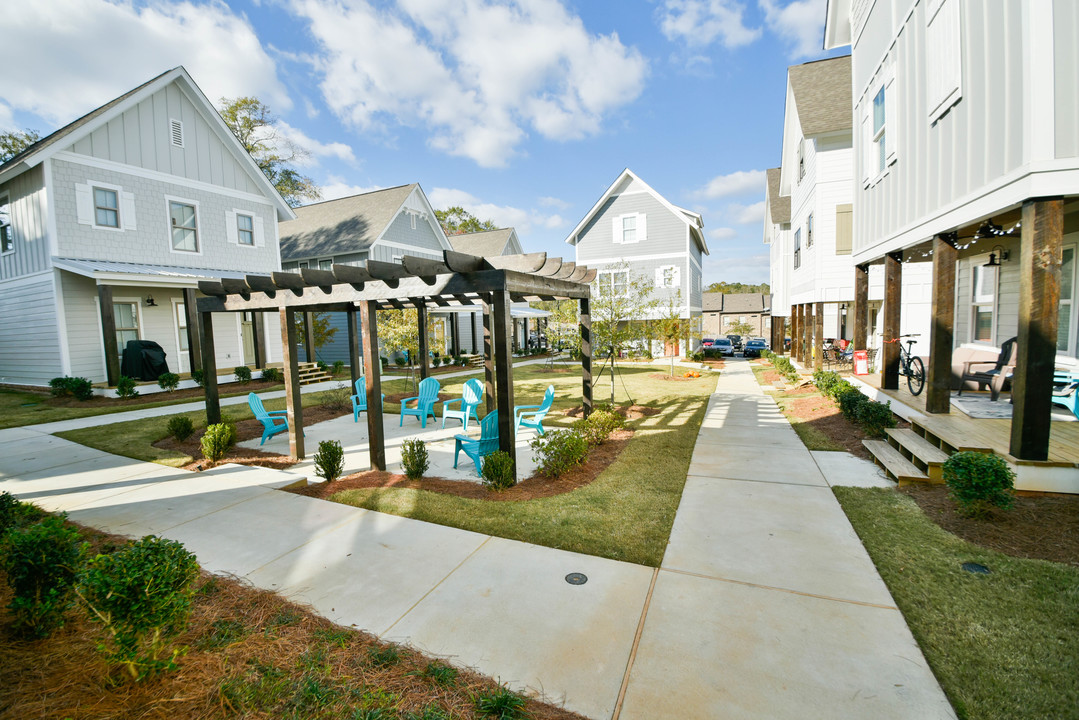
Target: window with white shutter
<point>944,56</point>
<point>629,228</point>
<point>104,206</point>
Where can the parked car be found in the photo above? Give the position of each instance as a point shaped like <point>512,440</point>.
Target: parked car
<point>736,341</point>
<point>723,346</point>
<point>707,342</point>
<point>753,348</point>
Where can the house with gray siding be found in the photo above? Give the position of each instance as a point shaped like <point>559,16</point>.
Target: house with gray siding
<point>108,224</point>
<point>632,225</point>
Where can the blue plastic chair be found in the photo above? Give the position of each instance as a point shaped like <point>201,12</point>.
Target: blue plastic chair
<point>478,449</point>
<point>532,415</point>
<point>359,400</point>
<point>1066,391</point>
<point>272,422</point>
<point>425,402</point>
<point>469,401</point>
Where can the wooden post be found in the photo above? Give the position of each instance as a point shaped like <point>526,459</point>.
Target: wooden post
<point>476,334</point>
<point>421,318</point>
<point>108,334</point>
<point>504,371</point>
<point>376,433</point>
<point>209,368</point>
<point>818,324</point>
<point>893,297</point>
<point>488,354</point>
<point>259,332</point>
<point>807,337</point>
<point>354,348</point>
<point>795,310</point>
<point>861,307</point>
<point>455,333</point>
<point>1040,257</point>
<point>293,401</point>
<point>524,322</point>
<point>586,357</point>
<point>309,335</point>
<point>938,395</point>
<point>191,314</point>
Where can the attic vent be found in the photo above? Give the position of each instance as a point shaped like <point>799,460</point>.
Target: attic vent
<point>176,132</point>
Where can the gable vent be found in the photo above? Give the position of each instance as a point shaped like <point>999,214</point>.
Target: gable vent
<point>176,132</point>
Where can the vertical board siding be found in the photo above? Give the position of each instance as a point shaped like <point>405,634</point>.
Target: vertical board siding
<point>1065,31</point>
<point>83,324</point>
<point>29,332</point>
<point>26,197</point>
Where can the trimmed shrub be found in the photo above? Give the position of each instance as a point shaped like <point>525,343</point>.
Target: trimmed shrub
<point>199,376</point>
<point>9,512</point>
<point>78,387</point>
<point>125,388</point>
<point>498,470</point>
<point>218,440</point>
<point>338,367</point>
<point>273,375</point>
<point>876,417</point>
<point>168,381</point>
<point>329,460</point>
<point>825,380</point>
<point>850,403</point>
<point>400,361</point>
<point>598,426</point>
<point>558,451</point>
<point>978,481</point>
<point>414,458</point>
<point>141,594</point>
<point>180,427</point>
<point>242,373</point>
<point>784,366</point>
<point>41,562</point>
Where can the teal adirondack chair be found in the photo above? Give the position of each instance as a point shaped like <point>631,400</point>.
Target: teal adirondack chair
<point>359,400</point>
<point>1066,391</point>
<point>272,422</point>
<point>469,401</point>
<point>425,402</point>
<point>532,415</point>
<point>478,449</point>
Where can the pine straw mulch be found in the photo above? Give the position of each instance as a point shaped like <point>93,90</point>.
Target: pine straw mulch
<point>250,654</point>
<point>1044,527</point>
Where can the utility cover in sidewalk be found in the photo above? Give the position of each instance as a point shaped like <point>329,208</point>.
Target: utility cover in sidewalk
<point>576,578</point>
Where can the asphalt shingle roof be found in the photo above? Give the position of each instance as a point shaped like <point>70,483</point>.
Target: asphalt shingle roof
<point>488,243</point>
<point>340,226</point>
<point>779,205</point>
<point>822,93</point>
<point>737,302</point>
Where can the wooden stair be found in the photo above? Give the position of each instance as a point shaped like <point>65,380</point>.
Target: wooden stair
<point>310,374</point>
<point>926,456</point>
<point>899,468</point>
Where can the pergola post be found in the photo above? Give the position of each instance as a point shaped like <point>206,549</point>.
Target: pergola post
<point>258,324</point>
<point>1040,258</point>
<point>309,335</point>
<point>191,315</point>
<point>293,401</point>
<point>353,348</point>
<point>421,319</point>
<point>818,325</point>
<point>476,332</point>
<point>938,394</point>
<point>108,334</point>
<point>524,322</point>
<point>861,307</point>
<point>209,368</point>
<point>893,296</point>
<point>376,437</point>
<point>504,370</point>
<point>793,352</point>
<point>455,334</point>
<point>489,354</point>
<point>586,356</point>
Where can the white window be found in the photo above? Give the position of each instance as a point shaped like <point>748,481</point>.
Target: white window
<point>613,282</point>
<point>668,276</point>
<point>106,207</point>
<point>127,323</point>
<point>325,264</point>
<point>630,228</point>
<point>983,305</point>
<point>879,128</point>
<point>879,131</point>
<point>183,220</point>
<point>797,248</point>
<point>302,265</point>
<point>181,326</point>
<point>944,56</point>
<point>809,231</point>
<point>801,159</point>
<point>412,219</point>
<point>245,229</point>
<point>7,234</point>
<point>1066,319</point>
<point>176,133</point>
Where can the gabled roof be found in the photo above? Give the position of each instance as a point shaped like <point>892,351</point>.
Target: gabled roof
<point>487,243</point>
<point>736,302</point>
<point>779,206</point>
<point>74,131</point>
<point>692,219</point>
<point>822,94</point>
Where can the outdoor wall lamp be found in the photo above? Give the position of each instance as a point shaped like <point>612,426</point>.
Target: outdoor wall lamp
<point>150,300</point>
<point>998,255</point>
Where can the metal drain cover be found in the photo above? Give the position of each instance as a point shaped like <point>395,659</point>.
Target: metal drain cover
<point>976,568</point>
<point>576,578</point>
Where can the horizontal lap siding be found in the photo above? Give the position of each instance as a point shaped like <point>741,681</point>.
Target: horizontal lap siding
<point>666,232</point>
<point>83,326</point>
<point>29,332</point>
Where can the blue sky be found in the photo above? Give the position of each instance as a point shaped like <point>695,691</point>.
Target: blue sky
<point>523,111</point>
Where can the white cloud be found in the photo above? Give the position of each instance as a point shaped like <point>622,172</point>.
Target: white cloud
<point>478,75</point>
<point>700,22</point>
<point>747,214</point>
<point>7,121</point>
<point>78,54</point>
<point>800,23</point>
<point>315,148</point>
<point>501,215</point>
<point>335,187</point>
<point>553,202</point>
<point>722,233</point>
<point>741,182</point>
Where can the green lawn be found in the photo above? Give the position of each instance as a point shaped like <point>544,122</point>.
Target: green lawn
<point>1003,645</point>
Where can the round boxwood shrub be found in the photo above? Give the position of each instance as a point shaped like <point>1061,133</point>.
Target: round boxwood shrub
<point>876,417</point>
<point>272,375</point>
<point>78,387</point>
<point>850,402</point>
<point>498,470</point>
<point>168,381</point>
<point>242,373</point>
<point>125,387</point>
<point>598,426</point>
<point>199,376</point>
<point>979,481</point>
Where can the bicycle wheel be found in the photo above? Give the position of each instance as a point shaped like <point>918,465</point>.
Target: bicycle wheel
<point>916,376</point>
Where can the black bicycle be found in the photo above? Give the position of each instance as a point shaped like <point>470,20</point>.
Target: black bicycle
<point>911,365</point>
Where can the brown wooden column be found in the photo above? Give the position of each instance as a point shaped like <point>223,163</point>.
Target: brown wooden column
<point>1040,256</point>
<point>504,375</point>
<point>108,334</point>
<point>421,319</point>
<point>818,334</point>
<point>488,354</point>
<point>376,436</point>
<point>209,368</point>
<point>477,333</point>
<point>861,307</point>
<point>586,356</point>
<point>191,314</point>
<point>258,325</point>
<point>795,329</point>
<point>455,333</point>
<point>309,335</point>
<point>804,330</point>
<point>354,348</point>
<point>942,329</point>
<point>293,401</point>
<point>893,298</point>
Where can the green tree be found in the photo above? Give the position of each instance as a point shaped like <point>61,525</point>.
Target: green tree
<point>671,327</point>
<point>458,221</point>
<point>740,328</point>
<point>324,332</point>
<point>255,127</point>
<point>563,329</point>
<point>737,288</point>
<point>14,142</point>
<point>621,303</point>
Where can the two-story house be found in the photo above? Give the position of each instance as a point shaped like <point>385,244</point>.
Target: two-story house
<point>632,230</point>
<point>723,311</point>
<point>108,224</point>
<point>777,230</point>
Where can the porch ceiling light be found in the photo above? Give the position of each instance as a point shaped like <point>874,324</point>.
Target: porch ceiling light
<point>989,229</point>
<point>998,252</point>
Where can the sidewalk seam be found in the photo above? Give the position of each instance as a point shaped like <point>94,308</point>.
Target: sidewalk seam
<point>636,644</point>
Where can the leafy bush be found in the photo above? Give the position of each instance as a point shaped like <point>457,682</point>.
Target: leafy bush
<point>825,380</point>
<point>850,401</point>
<point>498,470</point>
<point>322,366</point>
<point>696,355</point>
<point>414,458</point>
<point>141,594</point>
<point>272,375</point>
<point>338,367</point>
<point>41,562</point>
<point>168,381</point>
<point>400,361</point>
<point>329,460</point>
<point>978,481</point>
<point>9,512</point>
<point>199,376</point>
<point>784,366</point>
<point>180,427</point>
<point>242,373</point>
<point>876,417</point>
<point>339,397</point>
<point>558,451</point>
<point>218,440</point>
<point>78,387</point>
<point>597,427</point>
<point>125,388</point>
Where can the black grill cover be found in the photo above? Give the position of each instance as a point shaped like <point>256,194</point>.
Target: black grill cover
<point>143,360</point>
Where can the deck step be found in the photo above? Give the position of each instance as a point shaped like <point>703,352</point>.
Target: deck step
<point>898,467</point>
<point>926,452</point>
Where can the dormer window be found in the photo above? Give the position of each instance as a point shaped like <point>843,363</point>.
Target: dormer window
<point>628,228</point>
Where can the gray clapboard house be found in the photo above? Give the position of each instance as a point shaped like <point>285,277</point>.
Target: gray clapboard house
<point>108,224</point>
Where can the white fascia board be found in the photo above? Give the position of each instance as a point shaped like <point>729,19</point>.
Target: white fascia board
<point>836,24</point>
<point>791,128</point>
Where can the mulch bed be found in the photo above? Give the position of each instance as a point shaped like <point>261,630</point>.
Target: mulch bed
<point>670,378</point>
<point>1043,527</point>
<point>628,412</point>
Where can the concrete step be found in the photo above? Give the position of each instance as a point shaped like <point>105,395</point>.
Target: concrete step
<point>927,454</point>
<point>900,469</point>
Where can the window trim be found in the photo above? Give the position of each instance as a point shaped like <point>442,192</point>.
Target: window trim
<point>325,260</point>
<point>118,192</point>
<point>1073,322</point>
<point>169,199</point>
<point>809,230</point>
<point>5,199</point>
<point>240,231</point>
<point>610,274</point>
<point>797,248</point>
<point>978,264</point>
<point>137,302</point>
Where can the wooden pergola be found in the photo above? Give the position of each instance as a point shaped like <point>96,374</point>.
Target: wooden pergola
<point>420,283</point>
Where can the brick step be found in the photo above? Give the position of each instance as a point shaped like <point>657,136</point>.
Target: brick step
<point>900,469</point>
<point>923,453</point>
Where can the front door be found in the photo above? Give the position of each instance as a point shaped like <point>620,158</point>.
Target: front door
<point>247,332</point>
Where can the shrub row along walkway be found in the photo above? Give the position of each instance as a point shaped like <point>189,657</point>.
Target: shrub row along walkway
<point>766,604</point>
